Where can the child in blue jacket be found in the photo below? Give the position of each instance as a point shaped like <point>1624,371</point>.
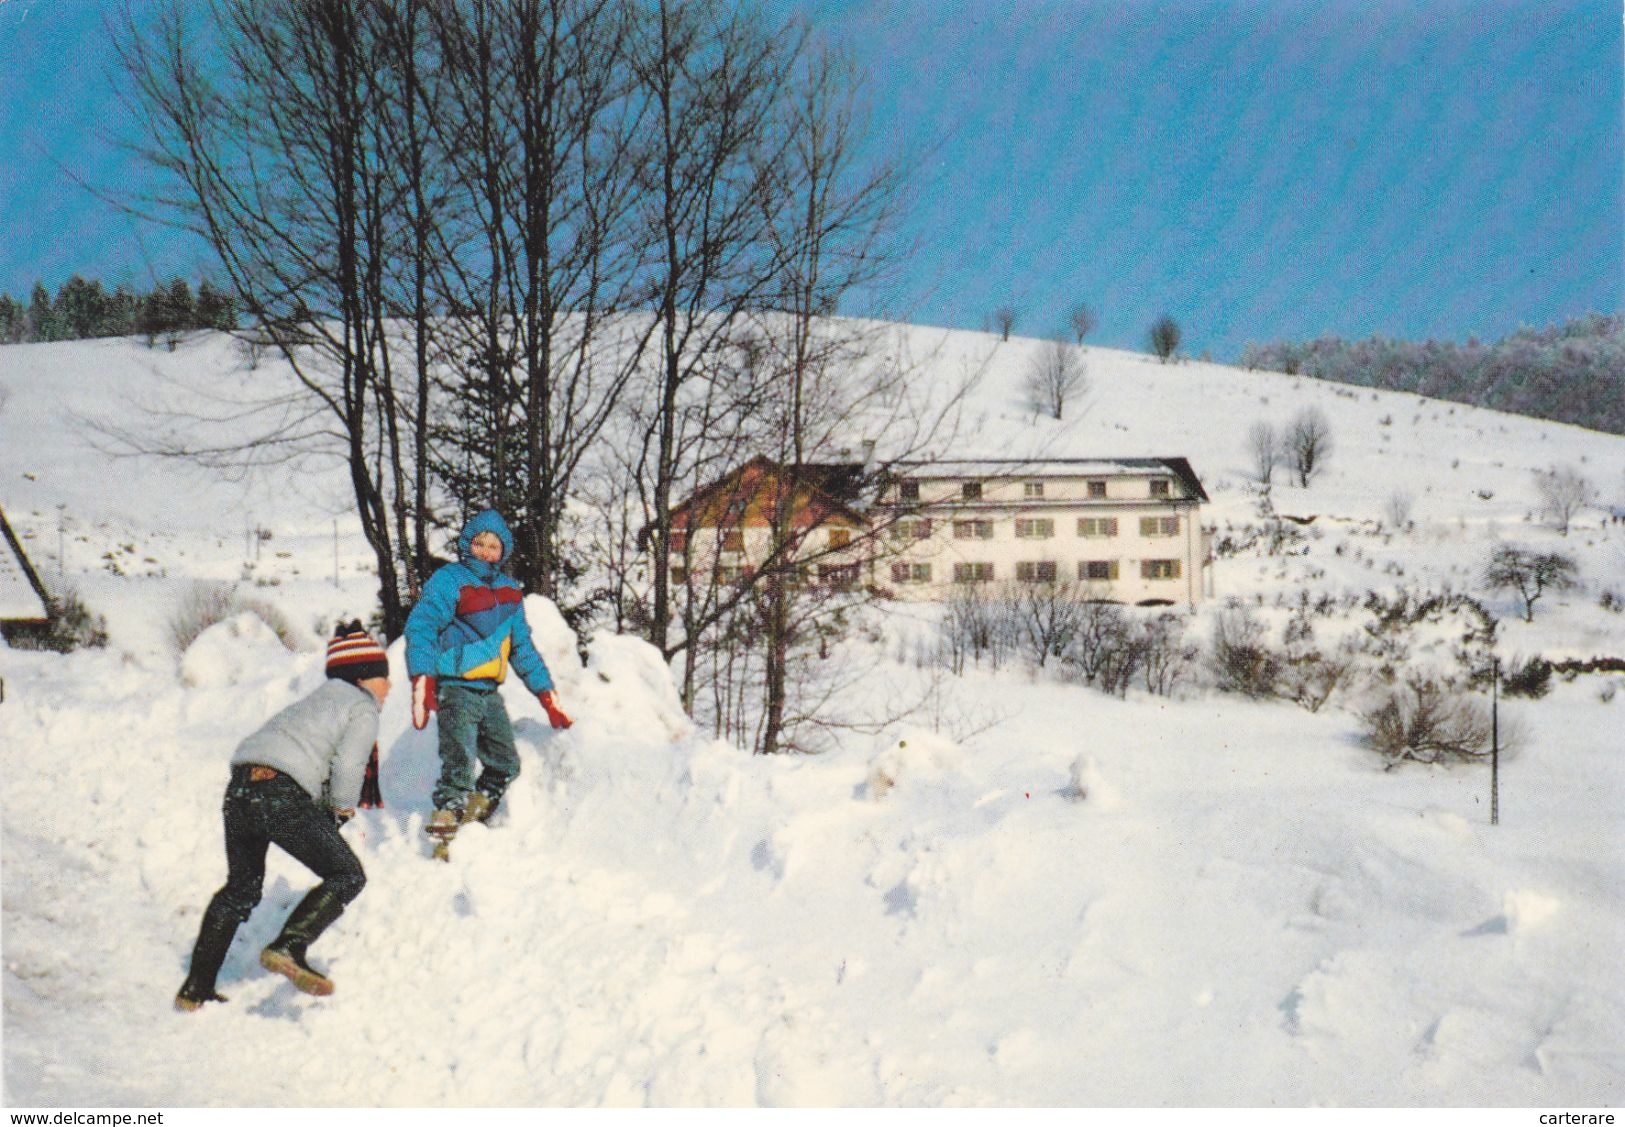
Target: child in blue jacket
<point>462,636</point>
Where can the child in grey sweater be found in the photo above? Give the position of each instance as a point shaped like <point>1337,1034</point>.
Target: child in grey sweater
<point>293,783</point>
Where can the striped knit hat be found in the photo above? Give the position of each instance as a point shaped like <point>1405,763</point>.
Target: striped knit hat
<point>353,656</point>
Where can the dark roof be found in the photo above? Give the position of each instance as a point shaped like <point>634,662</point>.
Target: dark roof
<point>16,585</point>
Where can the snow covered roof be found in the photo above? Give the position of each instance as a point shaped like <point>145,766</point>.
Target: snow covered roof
<point>1053,467</point>
<point>22,598</point>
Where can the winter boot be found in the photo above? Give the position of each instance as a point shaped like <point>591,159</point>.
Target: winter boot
<point>190,1000</point>
<point>208,954</point>
<point>479,808</point>
<point>443,823</point>
<point>309,918</point>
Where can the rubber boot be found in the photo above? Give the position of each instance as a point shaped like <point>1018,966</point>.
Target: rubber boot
<point>309,918</point>
<point>208,955</point>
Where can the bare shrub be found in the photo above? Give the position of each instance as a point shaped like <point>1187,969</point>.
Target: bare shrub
<point>1396,510</point>
<point>205,604</point>
<point>70,625</point>
<point>1564,491</point>
<point>1530,678</point>
<point>1531,574</point>
<point>1263,451</point>
<point>1308,443</point>
<point>1164,336</point>
<point>1056,375</point>
<point>1047,617</point>
<point>1102,628</point>
<point>1166,657</point>
<point>1424,722</point>
<point>976,627</point>
<point>1243,661</point>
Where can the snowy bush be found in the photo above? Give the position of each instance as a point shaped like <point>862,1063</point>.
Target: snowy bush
<point>70,625</point>
<point>204,604</point>
<point>1242,659</point>
<point>1531,678</point>
<point>1425,722</point>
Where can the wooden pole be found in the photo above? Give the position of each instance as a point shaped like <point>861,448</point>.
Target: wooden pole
<point>1495,741</point>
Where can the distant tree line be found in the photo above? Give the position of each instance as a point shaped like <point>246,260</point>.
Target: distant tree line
<point>84,309</point>
<point>1568,373</point>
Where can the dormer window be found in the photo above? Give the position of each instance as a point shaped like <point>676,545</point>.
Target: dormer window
<point>1033,489</point>
<point>1161,487</point>
<point>971,491</point>
<point>908,490</point>
<point>1097,489</point>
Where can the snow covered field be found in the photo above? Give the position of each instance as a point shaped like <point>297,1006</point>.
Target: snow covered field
<point>1197,900</point>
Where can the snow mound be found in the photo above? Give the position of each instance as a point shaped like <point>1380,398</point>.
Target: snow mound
<point>1087,784</point>
<point>554,639</point>
<point>1525,908</point>
<point>919,752</point>
<point>627,685</point>
<point>240,650</point>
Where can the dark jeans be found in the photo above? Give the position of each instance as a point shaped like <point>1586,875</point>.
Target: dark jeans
<point>473,725</point>
<point>279,812</point>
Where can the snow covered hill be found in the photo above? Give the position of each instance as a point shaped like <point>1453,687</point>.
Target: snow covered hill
<point>1029,894</point>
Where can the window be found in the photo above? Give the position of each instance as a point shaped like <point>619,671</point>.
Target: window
<point>916,529</point>
<point>973,573</point>
<point>911,573</point>
<point>679,575</point>
<point>973,530</point>
<point>1033,489</point>
<point>1097,526</point>
<point>840,537</point>
<point>908,490</point>
<point>1159,526</point>
<point>679,541</point>
<point>971,491</point>
<point>1097,489</point>
<point>1097,569</point>
<point>1036,571</point>
<point>733,540</point>
<point>1034,528</point>
<point>1161,487</point>
<point>729,573</point>
<point>840,576</point>
<point>1159,569</point>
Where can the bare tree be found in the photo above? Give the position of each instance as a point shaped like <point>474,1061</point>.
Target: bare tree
<point>1057,374</point>
<point>1263,450</point>
<point>712,81</point>
<point>1396,510</point>
<point>1164,337</point>
<point>1004,320</point>
<point>1308,443</point>
<point>1531,574</point>
<point>1082,321</point>
<point>1564,491</point>
<point>538,91</point>
<point>276,149</point>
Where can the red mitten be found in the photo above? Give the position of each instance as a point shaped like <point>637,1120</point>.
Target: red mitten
<point>555,714</point>
<point>423,700</point>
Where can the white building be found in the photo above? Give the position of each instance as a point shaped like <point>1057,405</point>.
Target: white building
<point>1128,529</point>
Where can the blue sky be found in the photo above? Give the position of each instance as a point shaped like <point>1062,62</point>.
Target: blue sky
<point>1259,170</point>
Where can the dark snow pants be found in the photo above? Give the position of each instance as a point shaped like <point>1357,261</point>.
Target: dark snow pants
<point>473,725</point>
<point>279,812</point>
<point>258,815</point>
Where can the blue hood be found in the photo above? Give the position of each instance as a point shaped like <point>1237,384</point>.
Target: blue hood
<point>487,521</point>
